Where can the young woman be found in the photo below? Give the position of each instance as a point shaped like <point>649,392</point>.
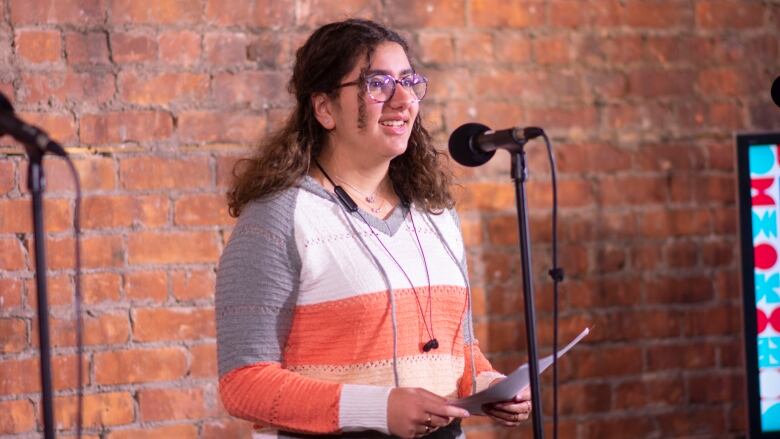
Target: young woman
<point>343,305</point>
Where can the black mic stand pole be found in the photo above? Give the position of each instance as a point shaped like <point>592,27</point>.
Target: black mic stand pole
<point>36,183</point>
<point>520,175</point>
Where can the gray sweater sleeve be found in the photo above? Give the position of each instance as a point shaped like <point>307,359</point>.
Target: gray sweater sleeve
<point>257,284</point>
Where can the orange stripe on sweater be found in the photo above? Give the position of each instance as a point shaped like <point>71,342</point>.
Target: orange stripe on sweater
<point>359,329</point>
<point>480,363</point>
<point>267,394</point>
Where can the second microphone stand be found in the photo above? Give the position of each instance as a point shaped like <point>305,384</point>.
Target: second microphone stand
<point>520,175</point>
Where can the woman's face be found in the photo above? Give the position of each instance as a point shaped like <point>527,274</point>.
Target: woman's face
<point>375,131</point>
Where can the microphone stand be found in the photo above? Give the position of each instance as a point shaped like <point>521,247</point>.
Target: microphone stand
<point>36,184</point>
<point>519,173</point>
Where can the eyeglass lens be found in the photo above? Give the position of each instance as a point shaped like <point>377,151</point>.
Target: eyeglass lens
<point>382,87</point>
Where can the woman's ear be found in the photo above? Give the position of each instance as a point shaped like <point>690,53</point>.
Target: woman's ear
<point>323,110</point>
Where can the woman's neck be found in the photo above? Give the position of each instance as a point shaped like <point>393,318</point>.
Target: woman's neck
<point>363,175</point>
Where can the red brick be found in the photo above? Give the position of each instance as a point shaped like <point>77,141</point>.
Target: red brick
<point>486,196</point>
<point>59,289</point>
<point>255,88</point>
<point>590,157</point>
<point>102,329</point>
<point>193,285</point>
<point>315,13</point>
<point>172,248</point>
<point>230,12</point>
<point>163,89</point>
<point>139,366</point>
<point>649,392</point>
<point>149,172</point>
<point>678,290</point>
<point>11,293</point>
<point>669,157</point>
<point>514,13</point>
<point>133,47</point>
<point>513,48</point>
<point>665,49</point>
<point>101,287</point>
<point>156,324</point>
<point>657,14</point>
<point>618,428</point>
<point>567,13</point>
<point>204,360</point>
<point>729,14</point>
<point>179,47</point>
<point>226,48</point>
<point>447,85</point>
<point>19,376</point>
<point>76,12</point>
<point>583,398</point>
<point>577,119</point>
<point>95,173</point>
<point>12,255</point>
<point>108,211</point>
<point>178,431</point>
<point>623,49</point>
<point>39,46</point>
<point>17,416</point>
<point>652,83</point>
<point>474,47</point>
<point>680,255</point>
<point>436,47</point>
<point>125,126</point>
<point>64,372</point>
<point>7,176</point>
<point>225,166</point>
<point>436,13</point>
<point>552,50</point>
<point>13,333</point>
<point>713,320</point>
<point>102,409</point>
<point>86,48</point>
<point>202,126</point>
<point>724,117</point>
<point>201,209</point>
<point>156,11</point>
<point>146,285</point>
<point>171,404</point>
<point>273,14</point>
<point>231,427</point>
<point>679,222</point>
<point>269,49</point>
<point>16,215</point>
<point>96,252</point>
<point>688,356</point>
<point>698,422</point>
<point>600,293</point>
<point>93,87</point>
<point>59,127</point>
<point>631,190</point>
<point>718,254</point>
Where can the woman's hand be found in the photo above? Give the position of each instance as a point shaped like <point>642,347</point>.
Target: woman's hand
<point>415,412</point>
<point>510,413</point>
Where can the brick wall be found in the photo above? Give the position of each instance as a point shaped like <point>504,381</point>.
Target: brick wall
<point>155,99</point>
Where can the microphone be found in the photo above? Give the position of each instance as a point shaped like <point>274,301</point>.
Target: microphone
<point>25,133</point>
<point>473,144</point>
<point>776,91</point>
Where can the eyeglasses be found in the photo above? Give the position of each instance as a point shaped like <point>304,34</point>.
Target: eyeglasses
<point>381,88</point>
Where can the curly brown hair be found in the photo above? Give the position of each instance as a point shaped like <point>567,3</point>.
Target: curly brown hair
<point>282,159</point>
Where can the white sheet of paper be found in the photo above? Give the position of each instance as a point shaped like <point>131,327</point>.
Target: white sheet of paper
<point>512,385</point>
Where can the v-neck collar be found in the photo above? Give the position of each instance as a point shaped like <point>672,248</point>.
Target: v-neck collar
<point>388,226</point>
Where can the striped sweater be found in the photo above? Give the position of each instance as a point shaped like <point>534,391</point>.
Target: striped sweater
<point>305,323</point>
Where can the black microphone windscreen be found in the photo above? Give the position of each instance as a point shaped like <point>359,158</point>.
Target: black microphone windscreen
<point>776,91</point>
<point>5,104</point>
<point>462,147</point>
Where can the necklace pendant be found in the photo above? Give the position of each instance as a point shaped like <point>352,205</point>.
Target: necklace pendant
<point>376,209</point>
<point>370,199</point>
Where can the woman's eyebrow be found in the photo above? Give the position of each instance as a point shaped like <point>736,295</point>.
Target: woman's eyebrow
<point>389,73</point>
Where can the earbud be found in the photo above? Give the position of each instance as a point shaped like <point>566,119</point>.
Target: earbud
<point>432,344</point>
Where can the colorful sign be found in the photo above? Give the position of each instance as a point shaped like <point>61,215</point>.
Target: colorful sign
<point>765,205</point>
